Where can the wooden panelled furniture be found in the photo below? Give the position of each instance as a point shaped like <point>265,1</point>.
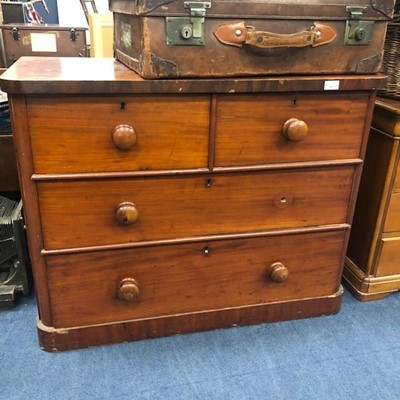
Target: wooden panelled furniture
<point>8,164</point>
<point>51,40</point>
<point>156,207</point>
<point>373,261</point>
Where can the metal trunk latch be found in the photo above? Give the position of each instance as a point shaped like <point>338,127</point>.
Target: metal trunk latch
<point>73,35</point>
<point>15,33</point>
<point>357,32</point>
<point>188,31</point>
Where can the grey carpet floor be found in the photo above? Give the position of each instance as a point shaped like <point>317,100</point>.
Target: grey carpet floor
<point>352,355</point>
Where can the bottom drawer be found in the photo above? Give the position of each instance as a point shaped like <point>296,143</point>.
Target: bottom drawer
<point>117,285</point>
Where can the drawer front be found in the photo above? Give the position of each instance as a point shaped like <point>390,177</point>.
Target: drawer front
<point>250,128</point>
<point>389,261</point>
<point>392,222</point>
<point>396,184</point>
<point>101,287</point>
<point>99,212</point>
<point>121,133</point>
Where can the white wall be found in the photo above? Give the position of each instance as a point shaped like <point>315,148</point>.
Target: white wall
<point>70,12</point>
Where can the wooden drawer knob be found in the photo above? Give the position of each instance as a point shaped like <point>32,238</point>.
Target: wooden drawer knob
<point>295,130</point>
<point>278,272</point>
<point>124,136</point>
<point>126,213</point>
<point>128,289</point>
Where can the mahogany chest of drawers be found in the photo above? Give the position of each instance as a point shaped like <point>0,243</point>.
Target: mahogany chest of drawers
<point>372,268</point>
<point>162,207</point>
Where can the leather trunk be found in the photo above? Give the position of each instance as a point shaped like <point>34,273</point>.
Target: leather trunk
<point>178,38</point>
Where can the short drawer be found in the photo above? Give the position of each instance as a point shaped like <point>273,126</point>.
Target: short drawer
<point>389,259</point>
<point>392,221</point>
<point>107,286</point>
<point>263,129</point>
<point>99,212</point>
<point>120,133</point>
<point>396,184</point>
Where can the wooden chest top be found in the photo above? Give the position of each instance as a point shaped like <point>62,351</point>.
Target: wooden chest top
<point>46,75</point>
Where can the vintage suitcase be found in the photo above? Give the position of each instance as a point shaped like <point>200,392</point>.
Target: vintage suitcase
<point>49,40</point>
<point>178,38</point>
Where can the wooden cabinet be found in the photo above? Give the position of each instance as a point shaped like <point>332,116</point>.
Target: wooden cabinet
<point>8,164</point>
<point>163,207</point>
<point>50,40</point>
<point>373,260</point>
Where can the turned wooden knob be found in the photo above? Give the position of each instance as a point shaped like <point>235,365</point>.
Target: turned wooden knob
<point>128,289</point>
<point>124,136</point>
<point>295,130</point>
<point>126,213</point>
<point>278,272</point>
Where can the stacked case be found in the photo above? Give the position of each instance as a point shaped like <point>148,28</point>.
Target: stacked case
<point>170,39</point>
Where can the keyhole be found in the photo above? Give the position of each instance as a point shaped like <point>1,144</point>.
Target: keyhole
<point>186,32</point>
<point>359,34</point>
<point>122,106</point>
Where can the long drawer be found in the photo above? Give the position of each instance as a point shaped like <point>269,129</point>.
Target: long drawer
<point>118,133</point>
<point>106,286</point>
<point>100,212</point>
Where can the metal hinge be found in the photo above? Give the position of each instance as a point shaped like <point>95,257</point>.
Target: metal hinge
<point>357,32</point>
<point>188,31</point>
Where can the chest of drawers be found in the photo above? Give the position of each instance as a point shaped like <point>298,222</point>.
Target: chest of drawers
<point>162,207</point>
<point>372,268</point>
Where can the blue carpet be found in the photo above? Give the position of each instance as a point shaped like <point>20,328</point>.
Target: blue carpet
<point>352,355</point>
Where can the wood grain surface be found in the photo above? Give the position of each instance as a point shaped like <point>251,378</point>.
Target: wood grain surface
<point>193,277</point>
<point>249,127</point>
<point>172,133</point>
<point>82,213</point>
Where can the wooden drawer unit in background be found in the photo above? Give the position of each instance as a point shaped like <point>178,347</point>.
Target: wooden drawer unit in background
<point>162,207</point>
<point>8,164</point>
<point>51,40</point>
<point>372,268</point>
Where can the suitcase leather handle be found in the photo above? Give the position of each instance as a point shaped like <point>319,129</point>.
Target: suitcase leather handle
<point>237,34</point>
